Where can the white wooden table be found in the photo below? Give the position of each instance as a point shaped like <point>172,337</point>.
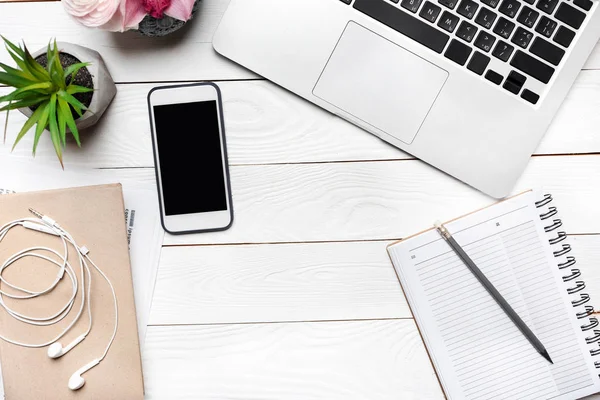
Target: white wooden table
<point>298,300</point>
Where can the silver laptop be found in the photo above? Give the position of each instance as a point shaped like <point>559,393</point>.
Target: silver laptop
<point>468,86</point>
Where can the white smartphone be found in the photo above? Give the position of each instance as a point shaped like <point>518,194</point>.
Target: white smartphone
<point>190,155</point>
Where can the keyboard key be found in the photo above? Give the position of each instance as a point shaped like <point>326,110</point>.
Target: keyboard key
<point>467,8</point>
<point>585,4</point>
<point>522,37</point>
<point>458,52</point>
<point>448,3</point>
<point>404,23</point>
<point>478,63</point>
<point>570,15</point>
<point>491,3</point>
<point>411,5</point>
<point>530,96</point>
<point>547,6</point>
<point>532,2</point>
<point>485,41</point>
<point>532,67</point>
<point>528,17</point>
<point>517,78</point>
<point>485,18</point>
<point>448,21</point>
<point>504,27</point>
<point>564,36</point>
<point>546,27</point>
<point>511,87</point>
<point>493,76</point>
<point>514,82</point>
<point>430,11</point>
<point>503,51</point>
<point>547,51</point>
<point>509,8</point>
<point>466,31</point>
<point>350,1</point>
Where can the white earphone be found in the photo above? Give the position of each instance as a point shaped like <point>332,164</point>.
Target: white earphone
<point>47,225</point>
<point>76,381</point>
<point>56,350</point>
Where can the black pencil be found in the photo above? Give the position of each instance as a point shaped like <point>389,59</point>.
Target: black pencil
<point>493,292</point>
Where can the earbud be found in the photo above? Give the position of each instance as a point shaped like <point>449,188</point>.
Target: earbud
<point>56,349</point>
<point>76,381</point>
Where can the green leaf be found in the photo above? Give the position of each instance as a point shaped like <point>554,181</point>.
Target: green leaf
<point>54,132</point>
<point>68,115</point>
<point>23,65</point>
<point>35,117</point>
<point>13,71</point>
<point>14,47</point>
<point>72,89</point>
<point>52,114</point>
<point>14,80</point>
<point>30,88</point>
<point>24,103</point>
<point>6,124</point>
<point>62,125</point>
<point>74,69</point>
<point>36,69</point>
<point>41,125</point>
<point>73,101</point>
<point>23,95</point>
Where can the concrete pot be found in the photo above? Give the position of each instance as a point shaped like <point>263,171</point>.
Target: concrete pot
<point>104,87</point>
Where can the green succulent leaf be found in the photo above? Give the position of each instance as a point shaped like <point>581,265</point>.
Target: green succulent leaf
<point>6,125</point>
<point>76,104</point>
<point>24,103</point>
<point>35,117</point>
<point>38,88</point>
<point>73,89</point>
<point>12,46</point>
<point>13,71</point>
<point>68,118</point>
<point>36,69</point>
<point>54,131</point>
<point>16,81</point>
<point>74,69</point>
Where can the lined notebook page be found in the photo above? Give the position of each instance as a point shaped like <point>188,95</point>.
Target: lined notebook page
<point>477,350</point>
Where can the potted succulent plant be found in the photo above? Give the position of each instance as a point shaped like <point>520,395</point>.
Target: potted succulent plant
<point>56,91</point>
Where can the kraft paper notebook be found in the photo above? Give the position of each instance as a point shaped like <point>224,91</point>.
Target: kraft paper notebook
<point>94,216</point>
<point>478,353</point>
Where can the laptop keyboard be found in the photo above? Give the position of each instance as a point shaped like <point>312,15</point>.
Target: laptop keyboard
<point>530,36</point>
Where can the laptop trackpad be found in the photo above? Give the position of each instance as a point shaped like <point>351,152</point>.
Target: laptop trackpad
<point>380,83</point>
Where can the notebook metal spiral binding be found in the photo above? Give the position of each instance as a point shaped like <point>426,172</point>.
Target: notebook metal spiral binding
<point>562,250</point>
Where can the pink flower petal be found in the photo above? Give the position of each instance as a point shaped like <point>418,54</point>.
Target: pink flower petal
<point>129,16</point>
<point>180,9</point>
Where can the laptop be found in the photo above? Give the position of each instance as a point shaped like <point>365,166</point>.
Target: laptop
<point>468,86</point>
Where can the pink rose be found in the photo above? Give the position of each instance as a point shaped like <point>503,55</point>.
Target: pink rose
<point>132,12</point>
<point>92,13</point>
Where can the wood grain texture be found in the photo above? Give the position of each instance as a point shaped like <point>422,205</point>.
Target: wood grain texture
<point>185,55</point>
<point>265,125</point>
<point>297,282</point>
<point>381,200</point>
<point>337,360</point>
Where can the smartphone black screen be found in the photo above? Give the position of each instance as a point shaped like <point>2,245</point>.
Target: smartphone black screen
<point>190,156</point>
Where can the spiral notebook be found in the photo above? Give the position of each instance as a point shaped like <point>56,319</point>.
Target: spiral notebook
<point>477,351</point>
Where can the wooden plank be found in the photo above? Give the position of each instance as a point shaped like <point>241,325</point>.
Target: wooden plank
<point>337,360</point>
<point>377,200</point>
<point>266,124</point>
<point>130,57</point>
<point>186,55</point>
<point>297,282</point>
<point>381,200</point>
